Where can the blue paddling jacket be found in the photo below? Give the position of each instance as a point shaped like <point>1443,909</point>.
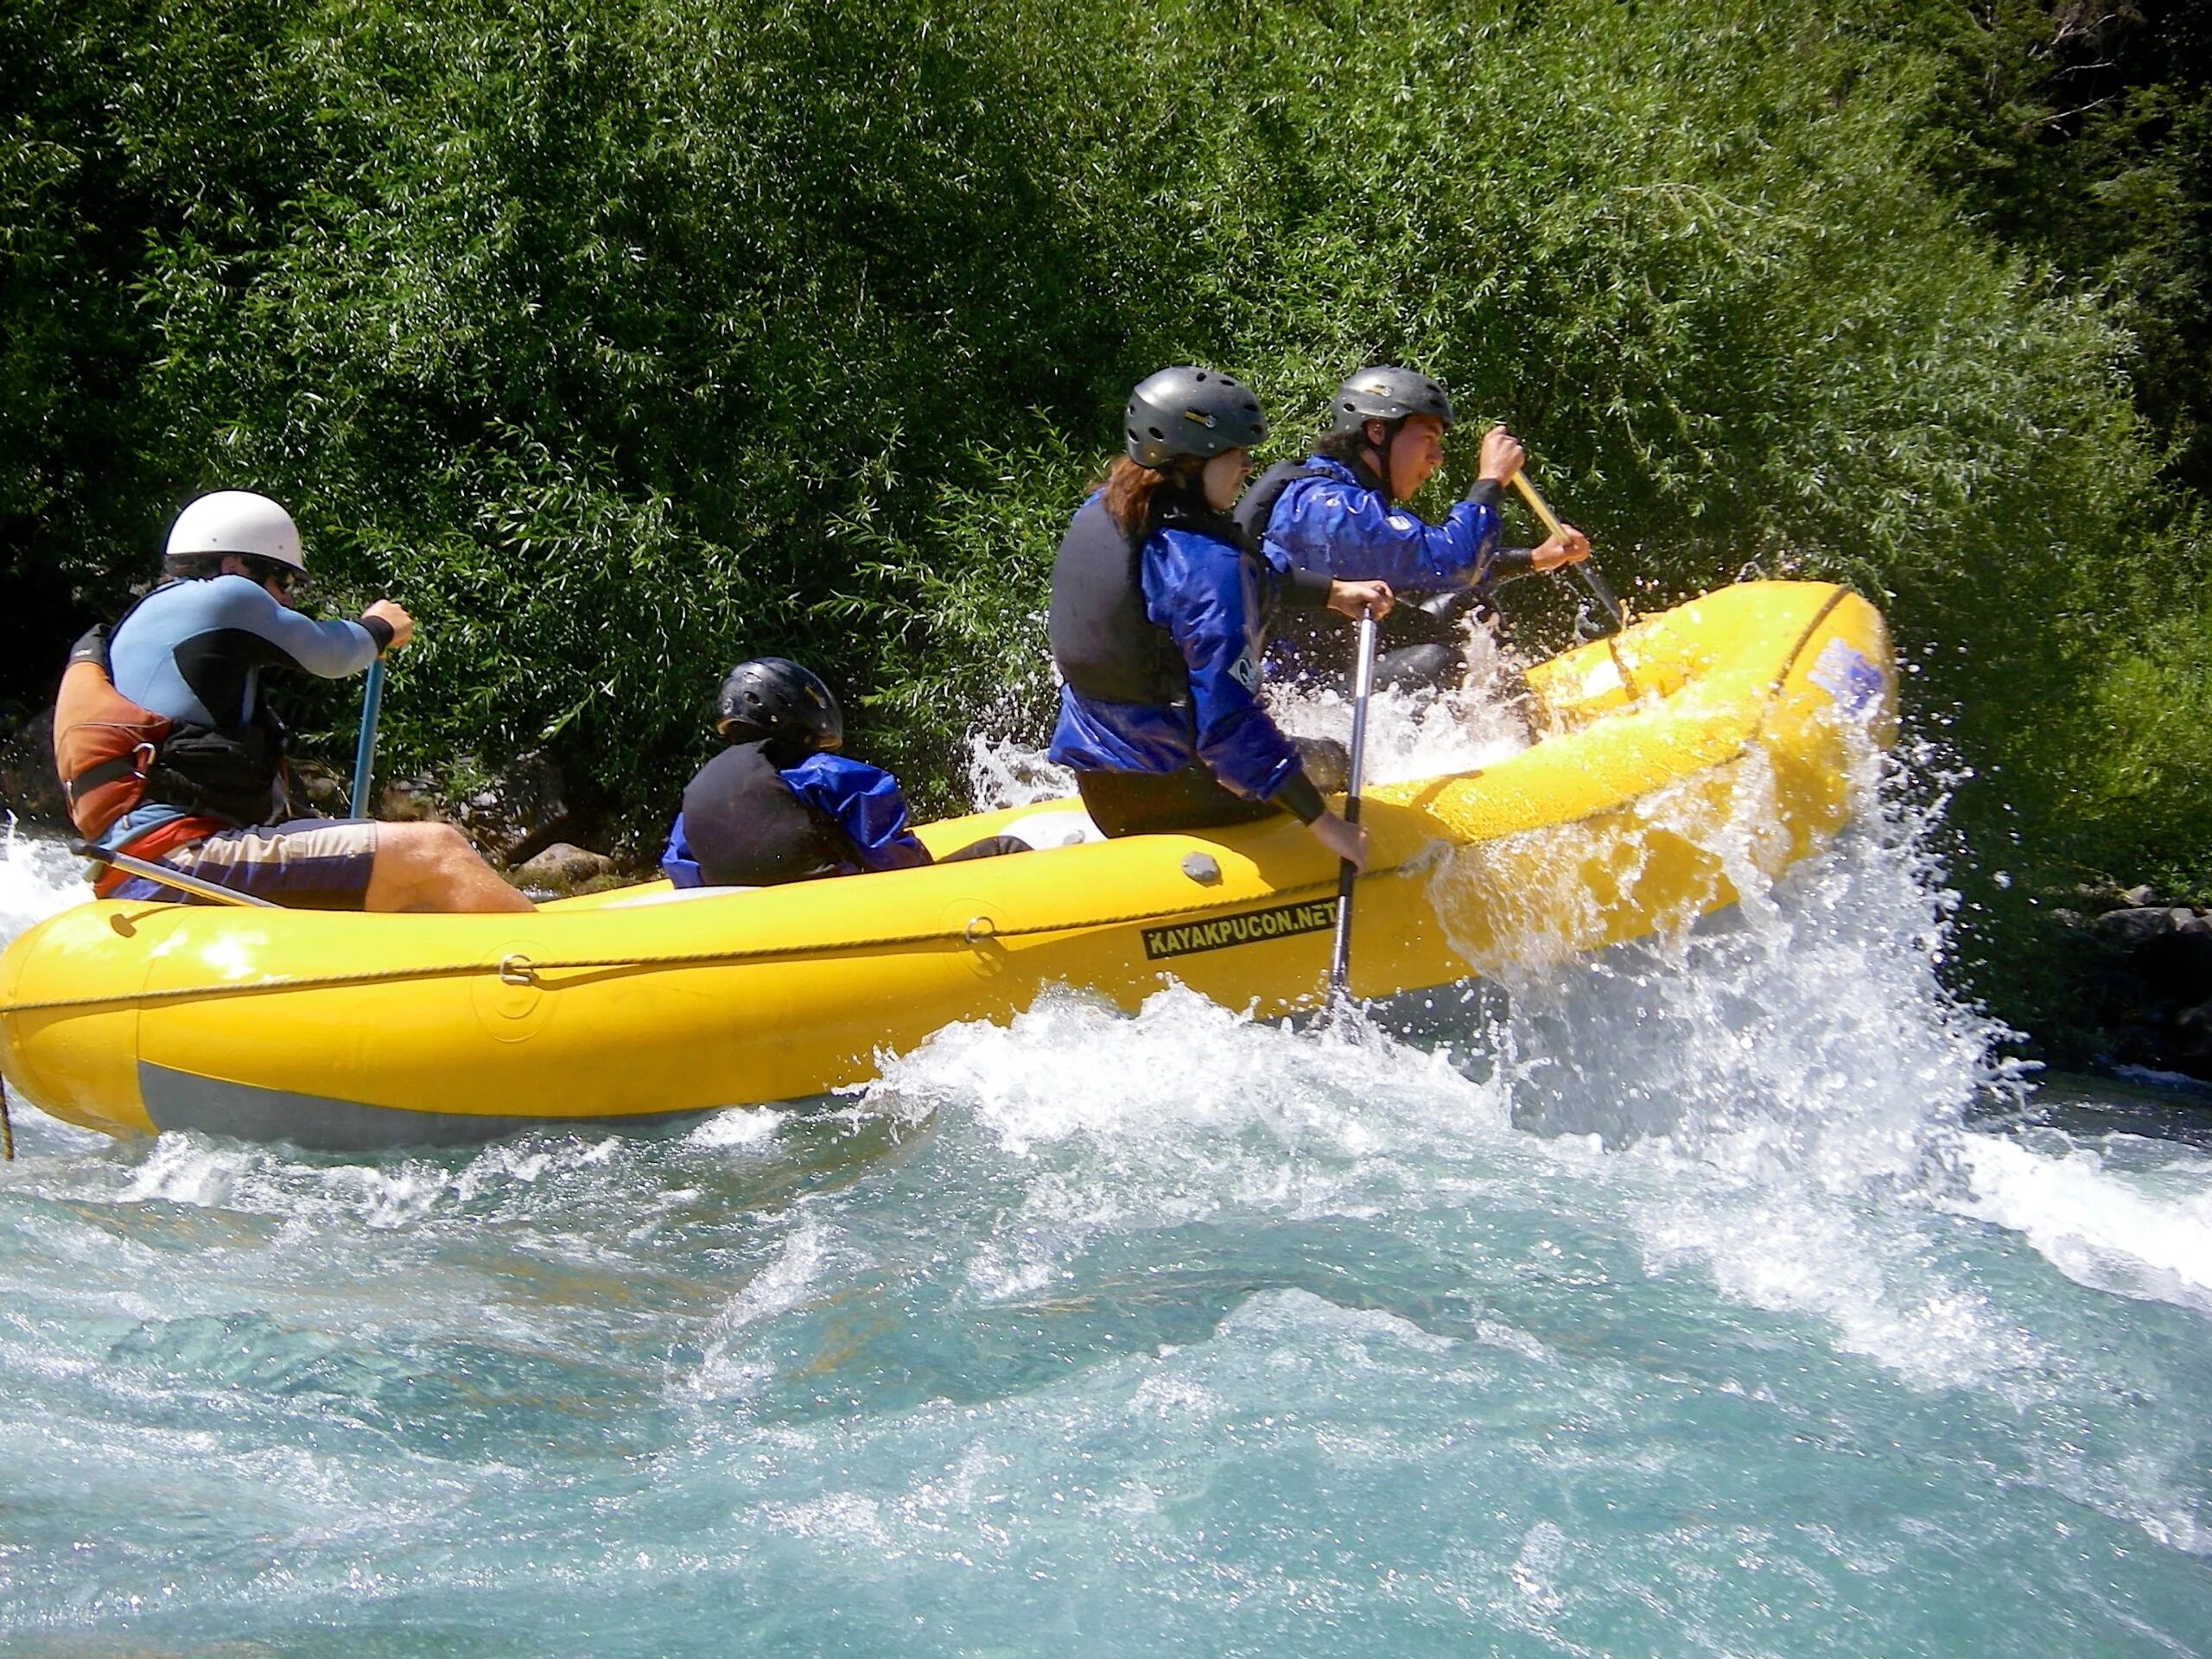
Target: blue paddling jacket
<point>1159,645</point>
<point>1319,514</point>
<point>749,822</point>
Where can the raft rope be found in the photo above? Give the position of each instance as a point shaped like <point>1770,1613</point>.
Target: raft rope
<point>517,968</point>
<point>7,1127</point>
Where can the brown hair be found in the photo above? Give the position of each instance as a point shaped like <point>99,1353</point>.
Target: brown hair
<point>1129,490</point>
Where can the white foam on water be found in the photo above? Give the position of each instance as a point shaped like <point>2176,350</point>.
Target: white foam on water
<point>1796,1063</point>
<point>1410,733</point>
<point>39,878</point>
<point>808,1256</point>
<point>2128,1216</point>
<point>1185,1112</point>
<point>1002,771</point>
<point>739,1127</point>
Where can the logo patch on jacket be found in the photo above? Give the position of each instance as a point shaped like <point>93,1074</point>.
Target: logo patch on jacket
<point>1245,670</point>
<point>1247,927</point>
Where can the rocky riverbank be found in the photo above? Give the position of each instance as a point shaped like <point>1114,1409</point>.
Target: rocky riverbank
<point>2139,971</point>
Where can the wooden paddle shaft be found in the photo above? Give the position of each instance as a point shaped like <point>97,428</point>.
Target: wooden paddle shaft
<point>1600,589</point>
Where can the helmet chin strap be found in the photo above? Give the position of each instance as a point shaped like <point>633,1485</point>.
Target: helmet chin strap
<point>1390,430</point>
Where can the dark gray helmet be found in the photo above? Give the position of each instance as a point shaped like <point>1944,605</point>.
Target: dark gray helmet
<point>1384,393</point>
<point>1184,411</point>
<point>773,698</point>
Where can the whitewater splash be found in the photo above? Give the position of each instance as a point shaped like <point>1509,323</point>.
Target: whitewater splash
<point>1800,1049</point>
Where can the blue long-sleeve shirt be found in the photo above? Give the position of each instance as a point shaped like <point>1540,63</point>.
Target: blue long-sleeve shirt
<point>195,652</point>
<point>1335,524</point>
<point>864,801</point>
<point>1207,595</point>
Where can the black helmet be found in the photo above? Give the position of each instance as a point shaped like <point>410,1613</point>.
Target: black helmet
<point>1384,393</point>
<point>775,698</point>
<point>1192,412</point>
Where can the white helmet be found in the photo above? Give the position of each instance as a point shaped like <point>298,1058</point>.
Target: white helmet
<point>238,521</point>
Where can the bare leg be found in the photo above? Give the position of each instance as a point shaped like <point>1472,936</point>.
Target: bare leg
<point>431,867</point>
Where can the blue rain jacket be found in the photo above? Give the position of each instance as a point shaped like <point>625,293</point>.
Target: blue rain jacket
<point>1334,523</point>
<point>864,801</point>
<point>1212,600</point>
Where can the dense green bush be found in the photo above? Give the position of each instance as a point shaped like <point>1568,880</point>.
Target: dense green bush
<point>621,340</point>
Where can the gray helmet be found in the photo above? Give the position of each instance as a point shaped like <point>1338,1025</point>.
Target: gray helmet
<point>775,698</point>
<point>1384,393</point>
<point>1184,411</point>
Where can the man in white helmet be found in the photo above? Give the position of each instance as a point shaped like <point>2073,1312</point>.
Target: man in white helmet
<point>195,780</point>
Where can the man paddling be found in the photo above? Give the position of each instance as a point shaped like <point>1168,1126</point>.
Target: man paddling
<point>1339,513</point>
<point>169,751</point>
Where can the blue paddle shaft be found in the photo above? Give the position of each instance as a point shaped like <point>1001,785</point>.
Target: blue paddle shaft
<point>364,751</point>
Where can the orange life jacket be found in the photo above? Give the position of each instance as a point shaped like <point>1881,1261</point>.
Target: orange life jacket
<point>105,747</point>
<point>105,744</point>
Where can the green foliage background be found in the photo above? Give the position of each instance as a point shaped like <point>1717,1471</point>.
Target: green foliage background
<point>622,339</point>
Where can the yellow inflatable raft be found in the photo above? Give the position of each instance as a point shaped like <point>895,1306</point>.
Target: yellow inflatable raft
<point>1704,745</point>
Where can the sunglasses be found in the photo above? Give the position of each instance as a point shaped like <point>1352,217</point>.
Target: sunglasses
<point>286,579</point>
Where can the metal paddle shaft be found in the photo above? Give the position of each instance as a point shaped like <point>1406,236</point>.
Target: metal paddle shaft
<point>169,878</point>
<point>1594,579</point>
<point>364,751</point>
<point>1362,693</point>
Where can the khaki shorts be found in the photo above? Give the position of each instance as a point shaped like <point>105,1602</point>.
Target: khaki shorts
<point>308,864</point>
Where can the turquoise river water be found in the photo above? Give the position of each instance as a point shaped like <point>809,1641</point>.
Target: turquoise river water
<point>1715,1298</point>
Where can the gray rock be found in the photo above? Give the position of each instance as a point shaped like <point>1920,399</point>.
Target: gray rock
<point>522,809</point>
<point>2192,1044</point>
<point>410,800</point>
<point>319,788</point>
<point>564,865</point>
<point>2126,928</point>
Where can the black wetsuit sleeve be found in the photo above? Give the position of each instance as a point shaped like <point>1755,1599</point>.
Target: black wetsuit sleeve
<point>1306,590</point>
<point>380,630</point>
<point>1510,564</point>
<point>1486,493</point>
<point>1299,798</point>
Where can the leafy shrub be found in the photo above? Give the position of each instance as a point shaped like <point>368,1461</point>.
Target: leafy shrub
<point>623,341</point>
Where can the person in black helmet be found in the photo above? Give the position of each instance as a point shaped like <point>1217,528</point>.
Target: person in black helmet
<point>1338,513</point>
<point>779,805</point>
<point>1156,628</point>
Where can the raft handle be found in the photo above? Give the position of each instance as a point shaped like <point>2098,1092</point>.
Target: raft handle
<point>516,969</point>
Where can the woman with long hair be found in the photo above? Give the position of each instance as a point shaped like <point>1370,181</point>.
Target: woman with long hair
<point>1157,627</point>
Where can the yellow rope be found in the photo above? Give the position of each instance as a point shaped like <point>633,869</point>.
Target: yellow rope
<point>530,967</point>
